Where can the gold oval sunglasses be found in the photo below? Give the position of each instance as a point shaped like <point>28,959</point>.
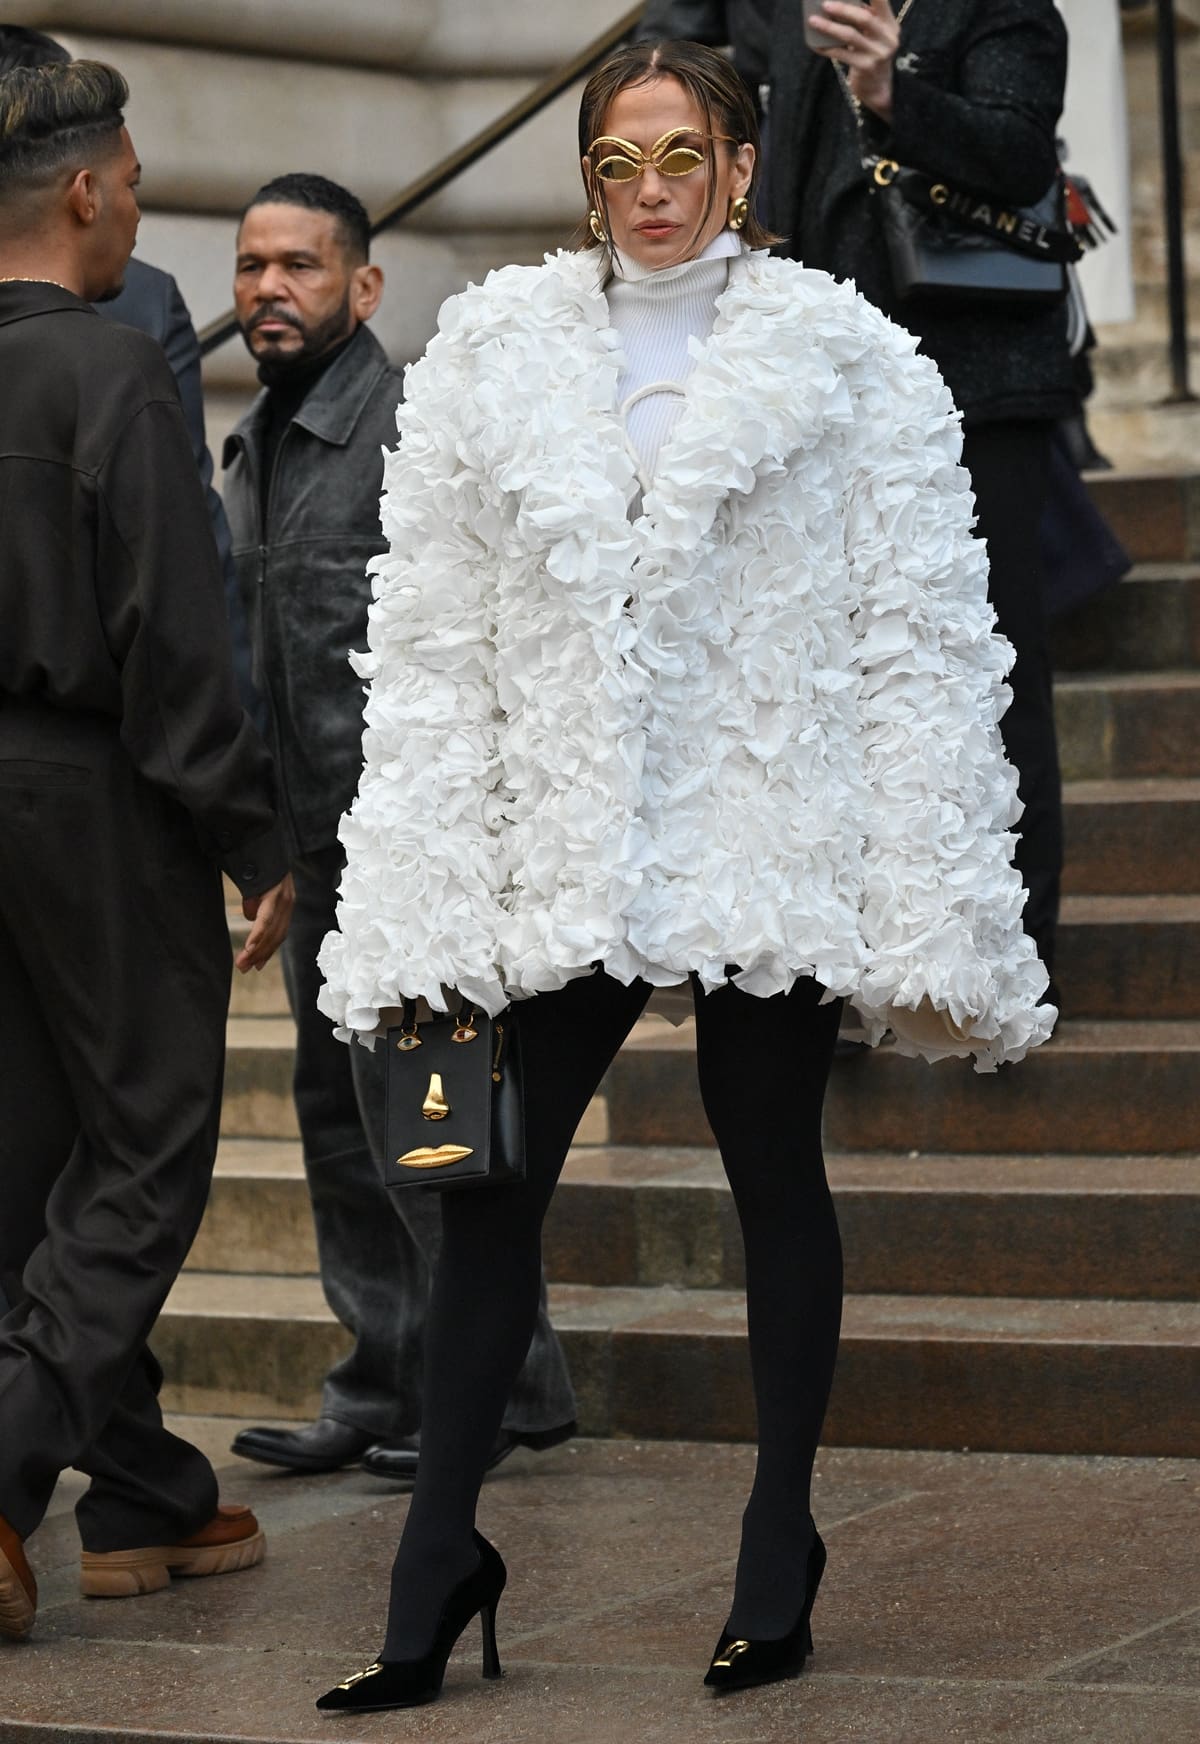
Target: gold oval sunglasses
<point>628,162</point>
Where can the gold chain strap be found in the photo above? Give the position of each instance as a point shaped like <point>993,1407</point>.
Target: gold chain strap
<point>844,77</point>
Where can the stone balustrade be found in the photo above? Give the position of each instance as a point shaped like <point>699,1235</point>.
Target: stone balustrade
<point>460,36</point>
<point>211,127</point>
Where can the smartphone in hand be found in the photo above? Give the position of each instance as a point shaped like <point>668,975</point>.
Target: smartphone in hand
<point>817,38</point>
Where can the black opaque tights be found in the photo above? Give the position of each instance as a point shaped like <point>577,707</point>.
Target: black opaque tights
<point>763,1066</point>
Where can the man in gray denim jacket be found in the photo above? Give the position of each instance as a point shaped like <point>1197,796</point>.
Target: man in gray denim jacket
<point>304,471</point>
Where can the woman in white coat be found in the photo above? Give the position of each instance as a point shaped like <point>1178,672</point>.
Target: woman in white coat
<point>683,684</point>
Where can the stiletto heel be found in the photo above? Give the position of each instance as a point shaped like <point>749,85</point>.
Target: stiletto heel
<point>410,1683</point>
<point>491,1658</point>
<point>740,1664</point>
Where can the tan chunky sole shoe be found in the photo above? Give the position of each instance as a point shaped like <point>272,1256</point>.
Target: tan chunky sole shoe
<point>232,1540</point>
<point>18,1589</point>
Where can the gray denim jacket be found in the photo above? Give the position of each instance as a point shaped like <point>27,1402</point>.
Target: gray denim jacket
<point>303,577</point>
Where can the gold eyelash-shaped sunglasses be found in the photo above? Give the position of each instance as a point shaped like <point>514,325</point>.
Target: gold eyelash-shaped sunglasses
<point>628,162</point>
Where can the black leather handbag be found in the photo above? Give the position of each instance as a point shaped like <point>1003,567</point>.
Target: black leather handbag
<point>454,1113</point>
<point>954,245</point>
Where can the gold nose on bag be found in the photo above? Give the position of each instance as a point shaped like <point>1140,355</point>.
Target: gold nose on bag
<point>435,1106</point>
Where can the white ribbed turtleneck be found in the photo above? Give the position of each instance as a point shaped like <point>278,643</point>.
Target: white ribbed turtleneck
<point>657,312</point>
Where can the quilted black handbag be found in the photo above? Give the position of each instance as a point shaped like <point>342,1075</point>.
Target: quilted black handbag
<point>955,245</point>
<point>454,1113</point>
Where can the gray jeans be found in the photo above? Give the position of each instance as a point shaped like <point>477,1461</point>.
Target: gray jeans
<point>377,1247</point>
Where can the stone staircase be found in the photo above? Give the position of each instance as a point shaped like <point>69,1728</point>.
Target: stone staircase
<point>1021,1249</point>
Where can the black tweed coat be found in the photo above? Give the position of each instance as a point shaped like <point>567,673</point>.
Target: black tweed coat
<point>978,92</point>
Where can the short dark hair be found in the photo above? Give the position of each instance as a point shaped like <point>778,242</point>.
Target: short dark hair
<point>318,194</point>
<point>22,47</point>
<point>52,118</point>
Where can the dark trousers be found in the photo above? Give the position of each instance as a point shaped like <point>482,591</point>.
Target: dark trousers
<point>377,1248</point>
<point>763,1065</point>
<point>114,984</point>
<point>1009,465</point>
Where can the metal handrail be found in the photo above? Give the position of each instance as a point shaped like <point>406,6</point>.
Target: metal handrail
<point>1172,165</point>
<point>434,180</point>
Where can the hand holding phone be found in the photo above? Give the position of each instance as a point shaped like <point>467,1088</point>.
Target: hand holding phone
<point>818,38</point>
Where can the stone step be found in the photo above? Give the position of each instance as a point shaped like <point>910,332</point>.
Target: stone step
<point>258,1218</point>
<point>1137,370</point>
<point>1128,725</point>
<point>956,1225</point>
<point>1129,956</point>
<point>1149,438</point>
<point>261,992</point>
<point>1149,622</point>
<point>1130,838</point>
<point>1156,516</point>
<point>258,1079</point>
<point>1097,1087</point>
<point>1010,1374</point>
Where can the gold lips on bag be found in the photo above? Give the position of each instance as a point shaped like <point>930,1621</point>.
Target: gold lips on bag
<point>428,1157</point>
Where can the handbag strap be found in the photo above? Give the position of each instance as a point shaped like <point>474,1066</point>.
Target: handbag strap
<point>844,77</point>
<point>1027,230</point>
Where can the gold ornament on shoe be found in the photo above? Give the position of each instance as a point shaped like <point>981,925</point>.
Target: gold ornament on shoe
<point>359,1675</point>
<point>732,1652</point>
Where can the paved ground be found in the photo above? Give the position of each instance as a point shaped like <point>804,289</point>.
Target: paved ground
<point>977,1597</point>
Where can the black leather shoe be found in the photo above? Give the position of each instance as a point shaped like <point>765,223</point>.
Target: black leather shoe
<point>323,1446</point>
<point>399,1464</point>
<point>410,1683</point>
<point>396,1462</point>
<point>741,1664</point>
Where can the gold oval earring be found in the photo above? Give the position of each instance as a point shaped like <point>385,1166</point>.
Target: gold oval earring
<point>596,225</point>
<point>739,211</point>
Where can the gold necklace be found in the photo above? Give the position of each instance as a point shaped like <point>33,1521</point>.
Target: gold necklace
<point>16,279</point>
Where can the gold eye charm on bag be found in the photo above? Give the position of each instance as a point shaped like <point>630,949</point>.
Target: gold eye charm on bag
<point>465,1030</point>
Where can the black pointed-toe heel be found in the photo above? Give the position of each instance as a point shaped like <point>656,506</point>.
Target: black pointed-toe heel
<point>740,1664</point>
<point>410,1683</point>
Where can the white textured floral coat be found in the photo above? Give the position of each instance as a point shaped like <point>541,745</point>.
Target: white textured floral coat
<point>749,721</point>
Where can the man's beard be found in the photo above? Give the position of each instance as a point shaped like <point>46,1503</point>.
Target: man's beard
<point>276,367</point>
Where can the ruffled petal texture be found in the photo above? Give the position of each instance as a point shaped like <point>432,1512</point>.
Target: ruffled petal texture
<point>754,726</point>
